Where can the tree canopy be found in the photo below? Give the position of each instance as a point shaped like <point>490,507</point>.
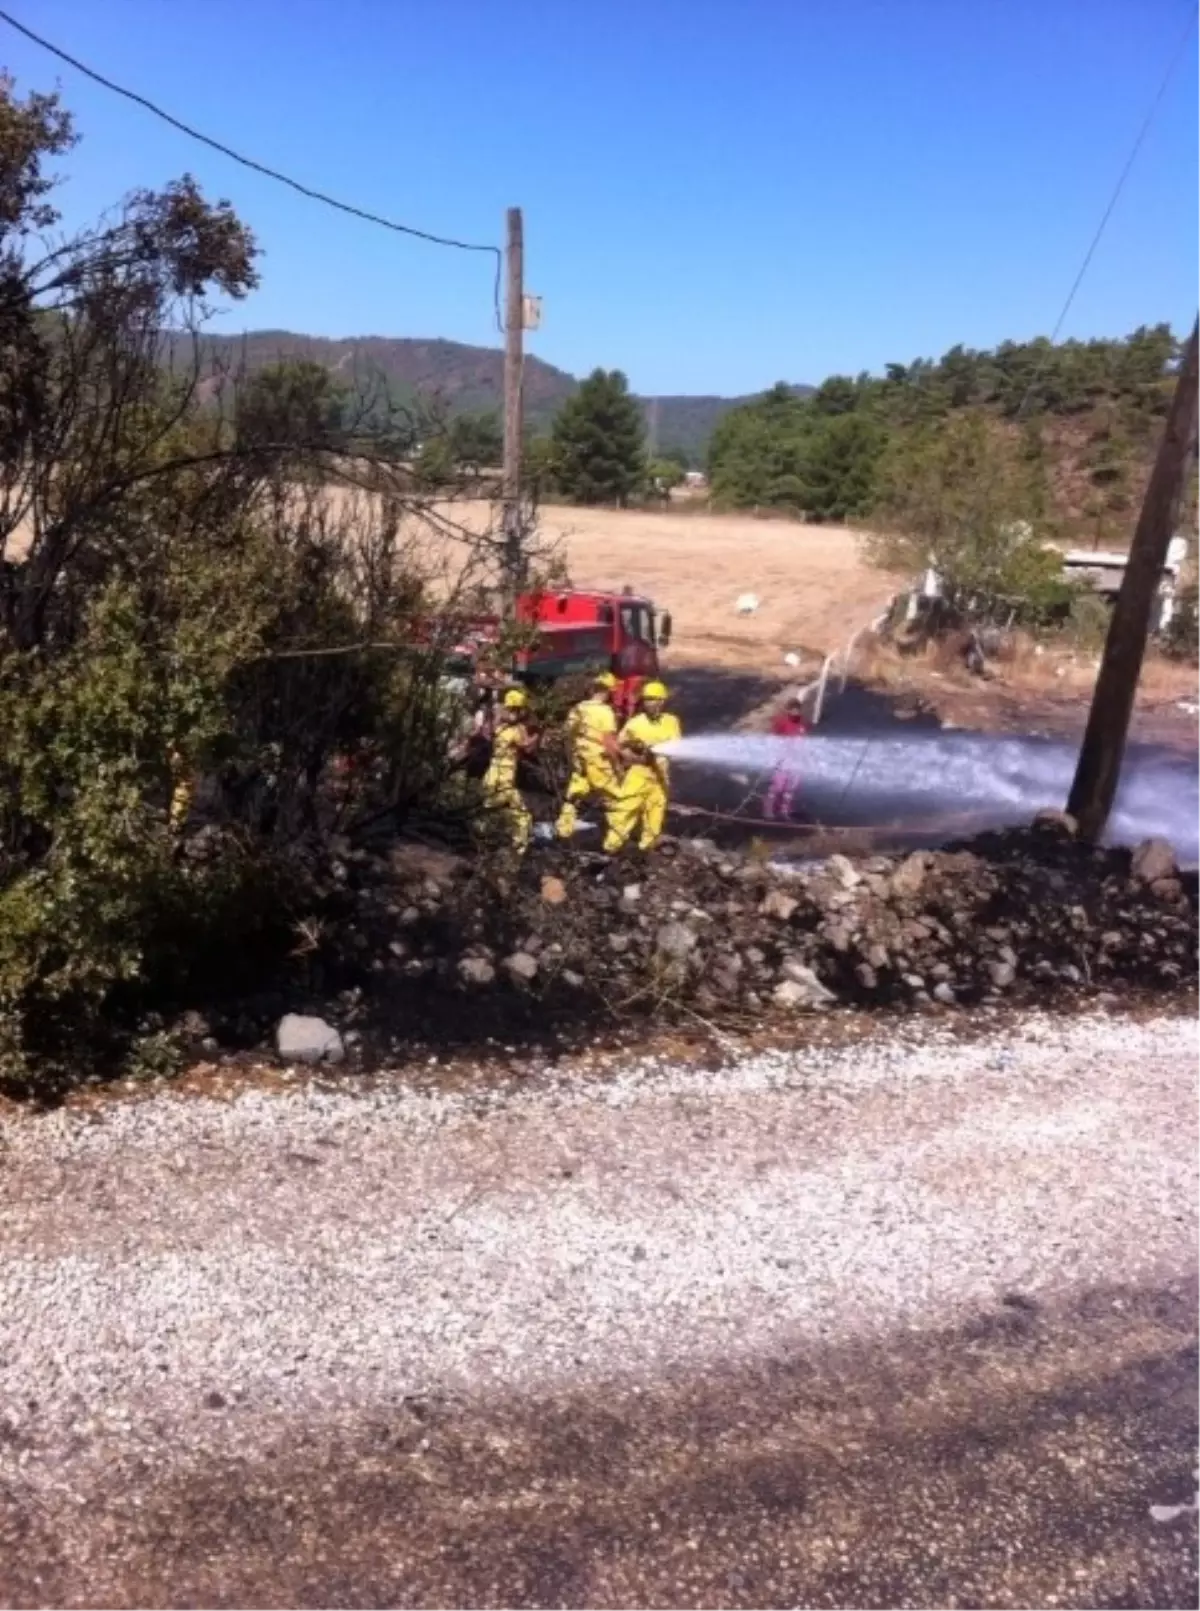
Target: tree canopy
<point>788,452</point>
<point>1092,406</point>
<point>599,442</point>
<point>962,498</point>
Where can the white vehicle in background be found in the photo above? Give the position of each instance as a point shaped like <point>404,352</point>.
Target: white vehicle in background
<point>1103,572</point>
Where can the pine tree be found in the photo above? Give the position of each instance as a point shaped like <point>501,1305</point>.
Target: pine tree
<point>599,442</point>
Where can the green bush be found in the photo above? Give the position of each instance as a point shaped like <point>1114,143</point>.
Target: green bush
<point>197,620</point>
<point>960,497</point>
<point>1087,623</point>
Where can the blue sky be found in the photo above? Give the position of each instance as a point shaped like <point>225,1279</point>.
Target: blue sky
<point>717,194</point>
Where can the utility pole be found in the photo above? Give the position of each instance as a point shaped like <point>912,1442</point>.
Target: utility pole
<point>514,361</point>
<point>1099,769</point>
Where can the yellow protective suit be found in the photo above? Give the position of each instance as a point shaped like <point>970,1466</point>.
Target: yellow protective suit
<point>182,792</point>
<point>642,802</point>
<point>592,770</point>
<point>506,807</point>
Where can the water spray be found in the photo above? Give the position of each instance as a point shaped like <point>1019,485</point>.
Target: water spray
<point>1000,779</point>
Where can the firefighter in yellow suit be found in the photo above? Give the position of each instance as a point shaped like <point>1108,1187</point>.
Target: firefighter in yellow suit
<point>182,792</point>
<point>592,731</point>
<point>642,802</point>
<point>512,739</point>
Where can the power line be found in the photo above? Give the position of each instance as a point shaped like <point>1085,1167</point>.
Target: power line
<point>261,167</point>
<point>1139,141</point>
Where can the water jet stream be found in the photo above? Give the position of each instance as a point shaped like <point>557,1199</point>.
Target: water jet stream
<point>1002,780</point>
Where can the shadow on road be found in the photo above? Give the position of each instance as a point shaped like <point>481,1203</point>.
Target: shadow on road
<point>1011,1462</point>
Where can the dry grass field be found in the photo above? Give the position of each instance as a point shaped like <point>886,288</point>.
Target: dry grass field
<point>815,590</point>
<point>813,585</point>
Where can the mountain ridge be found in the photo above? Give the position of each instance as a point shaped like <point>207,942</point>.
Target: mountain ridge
<point>466,378</point>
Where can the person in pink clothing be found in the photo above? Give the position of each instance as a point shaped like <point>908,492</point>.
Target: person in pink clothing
<point>789,723</point>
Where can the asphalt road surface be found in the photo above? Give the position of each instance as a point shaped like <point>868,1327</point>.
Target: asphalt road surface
<point>908,1322</point>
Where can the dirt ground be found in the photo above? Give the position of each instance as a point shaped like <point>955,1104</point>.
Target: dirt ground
<point>815,590</point>
<point>813,585</point>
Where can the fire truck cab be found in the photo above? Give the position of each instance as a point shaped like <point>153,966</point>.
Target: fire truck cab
<point>571,632</point>
<point>579,631</point>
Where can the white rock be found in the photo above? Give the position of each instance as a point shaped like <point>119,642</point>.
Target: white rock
<point>1154,858</point>
<point>300,1039</point>
<point>844,870</point>
<point>796,992</point>
<point>476,971</point>
<point>800,972</point>
<point>776,904</point>
<point>675,940</point>
<point>520,967</point>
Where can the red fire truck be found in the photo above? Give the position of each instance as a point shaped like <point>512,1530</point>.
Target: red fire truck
<point>573,632</point>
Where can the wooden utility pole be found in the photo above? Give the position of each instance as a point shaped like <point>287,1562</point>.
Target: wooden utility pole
<point>514,362</point>
<point>1099,770</point>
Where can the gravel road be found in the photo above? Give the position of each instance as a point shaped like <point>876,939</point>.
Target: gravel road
<point>906,1322</point>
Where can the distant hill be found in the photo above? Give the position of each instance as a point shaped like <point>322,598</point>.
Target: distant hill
<point>1082,420</point>
<point>466,379</point>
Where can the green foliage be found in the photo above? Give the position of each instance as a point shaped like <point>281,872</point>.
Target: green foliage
<point>661,476</point>
<point>477,441</point>
<point>599,442</point>
<point>294,403</point>
<point>1020,378</point>
<point>813,456</point>
<point>1088,621</point>
<point>1109,459</point>
<point>190,617</point>
<point>819,454</point>
<point>434,464</point>
<point>754,458</point>
<point>840,467</point>
<point>678,455</point>
<point>91,739</point>
<point>459,447</point>
<point>960,499</point>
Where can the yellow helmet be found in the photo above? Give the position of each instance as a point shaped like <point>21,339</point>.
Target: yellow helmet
<point>604,679</point>
<point>655,690</point>
<point>516,699</point>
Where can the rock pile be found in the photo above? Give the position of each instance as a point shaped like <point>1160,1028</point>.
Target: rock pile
<point>696,929</point>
